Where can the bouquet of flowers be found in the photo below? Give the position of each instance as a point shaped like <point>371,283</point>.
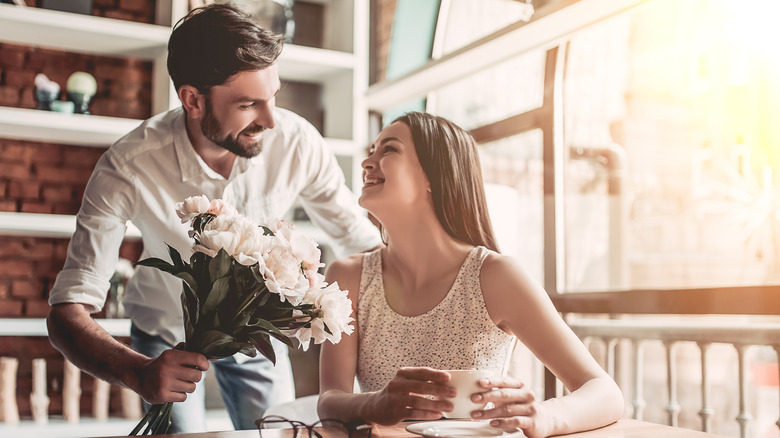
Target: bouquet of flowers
<point>244,284</point>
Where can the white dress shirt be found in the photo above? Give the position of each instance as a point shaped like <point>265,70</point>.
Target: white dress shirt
<point>142,177</point>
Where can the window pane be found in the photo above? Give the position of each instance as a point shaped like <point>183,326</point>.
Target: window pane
<point>466,21</point>
<point>509,88</point>
<point>672,148</point>
<point>512,170</point>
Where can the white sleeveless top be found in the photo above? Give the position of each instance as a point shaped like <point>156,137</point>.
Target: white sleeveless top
<point>456,334</point>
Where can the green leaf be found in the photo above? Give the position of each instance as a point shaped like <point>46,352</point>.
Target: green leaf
<point>219,290</point>
<point>175,257</point>
<point>219,265</point>
<point>249,350</point>
<point>243,319</point>
<point>189,279</point>
<point>287,341</point>
<point>261,327</point>
<point>263,344</point>
<point>267,231</point>
<point>216,349</point>
<point>212,341</point>
<point>154,262</point>
<point>189,326</point>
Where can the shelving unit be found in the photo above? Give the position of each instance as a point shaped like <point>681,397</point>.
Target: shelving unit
<point>341,68</point>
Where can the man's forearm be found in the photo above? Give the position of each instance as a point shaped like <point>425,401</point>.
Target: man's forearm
<point>85,343</point>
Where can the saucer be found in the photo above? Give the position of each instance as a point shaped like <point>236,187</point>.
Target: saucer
<point>451,428</point>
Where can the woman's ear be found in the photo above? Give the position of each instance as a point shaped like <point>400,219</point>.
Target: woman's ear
<point>192,101</point>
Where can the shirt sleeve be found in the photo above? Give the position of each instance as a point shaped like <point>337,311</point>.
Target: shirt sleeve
<point>329,202</point>
<point>93,250</point>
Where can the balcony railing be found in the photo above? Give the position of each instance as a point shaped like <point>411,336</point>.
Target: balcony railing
<point>671,333</point>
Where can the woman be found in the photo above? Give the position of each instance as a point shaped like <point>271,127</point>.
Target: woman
<point>439,296</point>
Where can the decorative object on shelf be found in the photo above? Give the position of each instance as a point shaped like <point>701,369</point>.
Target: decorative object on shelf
<point>122,273</point>
<point>63,106</point>
<point>282,20</point>
<point>527,10</point>
<point>81,88</point>
<point>9,410</point>
<point>244,284</point>
<point>39,400</point>
<point>274,15</point>
<point>77,6</point>
<point>14,2</point>
<point>46,91</point>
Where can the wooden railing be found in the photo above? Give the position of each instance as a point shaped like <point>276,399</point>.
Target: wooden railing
<point>670,333</point>
<point>71,379</point>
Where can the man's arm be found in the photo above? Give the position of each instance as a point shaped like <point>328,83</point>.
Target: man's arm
<point>330,204</point>
<point>81,340</point>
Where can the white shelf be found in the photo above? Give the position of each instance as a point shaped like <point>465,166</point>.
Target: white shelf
<point>309,64</point>
<point>81,33</point>
<point>37,326</point>
<point>73,129</point>
<point>46,225</point>
<point>106,36</point>
<point>62,226</point>
<point>81,130</point>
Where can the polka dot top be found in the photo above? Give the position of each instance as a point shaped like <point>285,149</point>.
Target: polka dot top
<point>456,334</point>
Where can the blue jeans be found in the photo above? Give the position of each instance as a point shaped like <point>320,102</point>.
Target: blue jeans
<point>248,387</point>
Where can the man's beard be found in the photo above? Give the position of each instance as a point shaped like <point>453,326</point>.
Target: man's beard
<point>212,130</point>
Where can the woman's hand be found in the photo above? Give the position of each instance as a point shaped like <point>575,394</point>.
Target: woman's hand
<point>414,393</point>
<point>515,407</point>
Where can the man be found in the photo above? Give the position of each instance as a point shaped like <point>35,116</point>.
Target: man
<point>224,69</point>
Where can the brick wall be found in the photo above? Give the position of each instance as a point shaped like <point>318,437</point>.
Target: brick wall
<point>50,178</point>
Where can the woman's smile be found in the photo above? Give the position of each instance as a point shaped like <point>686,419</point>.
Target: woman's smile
<point>373,181</point>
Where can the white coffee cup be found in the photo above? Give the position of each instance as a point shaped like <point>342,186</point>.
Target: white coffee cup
<point>465,383</point>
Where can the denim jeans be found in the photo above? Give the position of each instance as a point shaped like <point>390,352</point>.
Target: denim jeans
<point>247,387</point>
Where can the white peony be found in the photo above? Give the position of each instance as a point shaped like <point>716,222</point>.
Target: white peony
<point>235,234</point>
<point>335,309</point>
<point>219,207</point>
<point>191,207</point>
<point>211,241</point>
<point>283,274</point>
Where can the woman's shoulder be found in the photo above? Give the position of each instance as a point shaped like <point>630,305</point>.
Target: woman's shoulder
<point>346,265</point>
<point>506,274</point>
<point>346,271</point>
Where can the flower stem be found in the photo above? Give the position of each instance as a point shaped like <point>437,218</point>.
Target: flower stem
<point>250,299</point>
<point>157,420</point>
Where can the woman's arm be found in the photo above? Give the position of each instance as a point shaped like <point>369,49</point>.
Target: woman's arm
<point>402,398</point>
<point>520,306</point>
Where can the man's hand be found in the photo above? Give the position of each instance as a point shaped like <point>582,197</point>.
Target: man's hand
<point>171,376</point>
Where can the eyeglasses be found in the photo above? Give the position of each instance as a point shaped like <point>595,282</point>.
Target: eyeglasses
<point>326,427</point>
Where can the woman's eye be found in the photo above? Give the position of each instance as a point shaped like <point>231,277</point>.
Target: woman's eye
<point>246,107</point>
<point>390,149</point>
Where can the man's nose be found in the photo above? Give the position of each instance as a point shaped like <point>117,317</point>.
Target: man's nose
<point>265,115</point>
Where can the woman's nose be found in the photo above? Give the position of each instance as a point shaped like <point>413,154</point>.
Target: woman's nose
<point>367,163</point>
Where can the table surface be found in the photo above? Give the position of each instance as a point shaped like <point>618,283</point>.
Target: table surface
<point>625,428</point>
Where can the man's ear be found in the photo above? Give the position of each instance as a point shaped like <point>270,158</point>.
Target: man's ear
<point>192,101</point>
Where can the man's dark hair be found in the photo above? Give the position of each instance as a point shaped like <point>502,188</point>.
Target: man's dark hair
<point>213,43</point>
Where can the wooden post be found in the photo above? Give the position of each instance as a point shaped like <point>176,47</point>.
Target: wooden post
<point>39,399</point>
<point>100,398</point>
<point>131,404</point>
<point>71,392</point>
<point>9,411</point>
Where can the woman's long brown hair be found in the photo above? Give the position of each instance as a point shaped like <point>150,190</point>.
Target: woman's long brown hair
<point>449,157</point>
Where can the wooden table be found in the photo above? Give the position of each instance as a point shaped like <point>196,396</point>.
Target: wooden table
<point>625,428</point>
